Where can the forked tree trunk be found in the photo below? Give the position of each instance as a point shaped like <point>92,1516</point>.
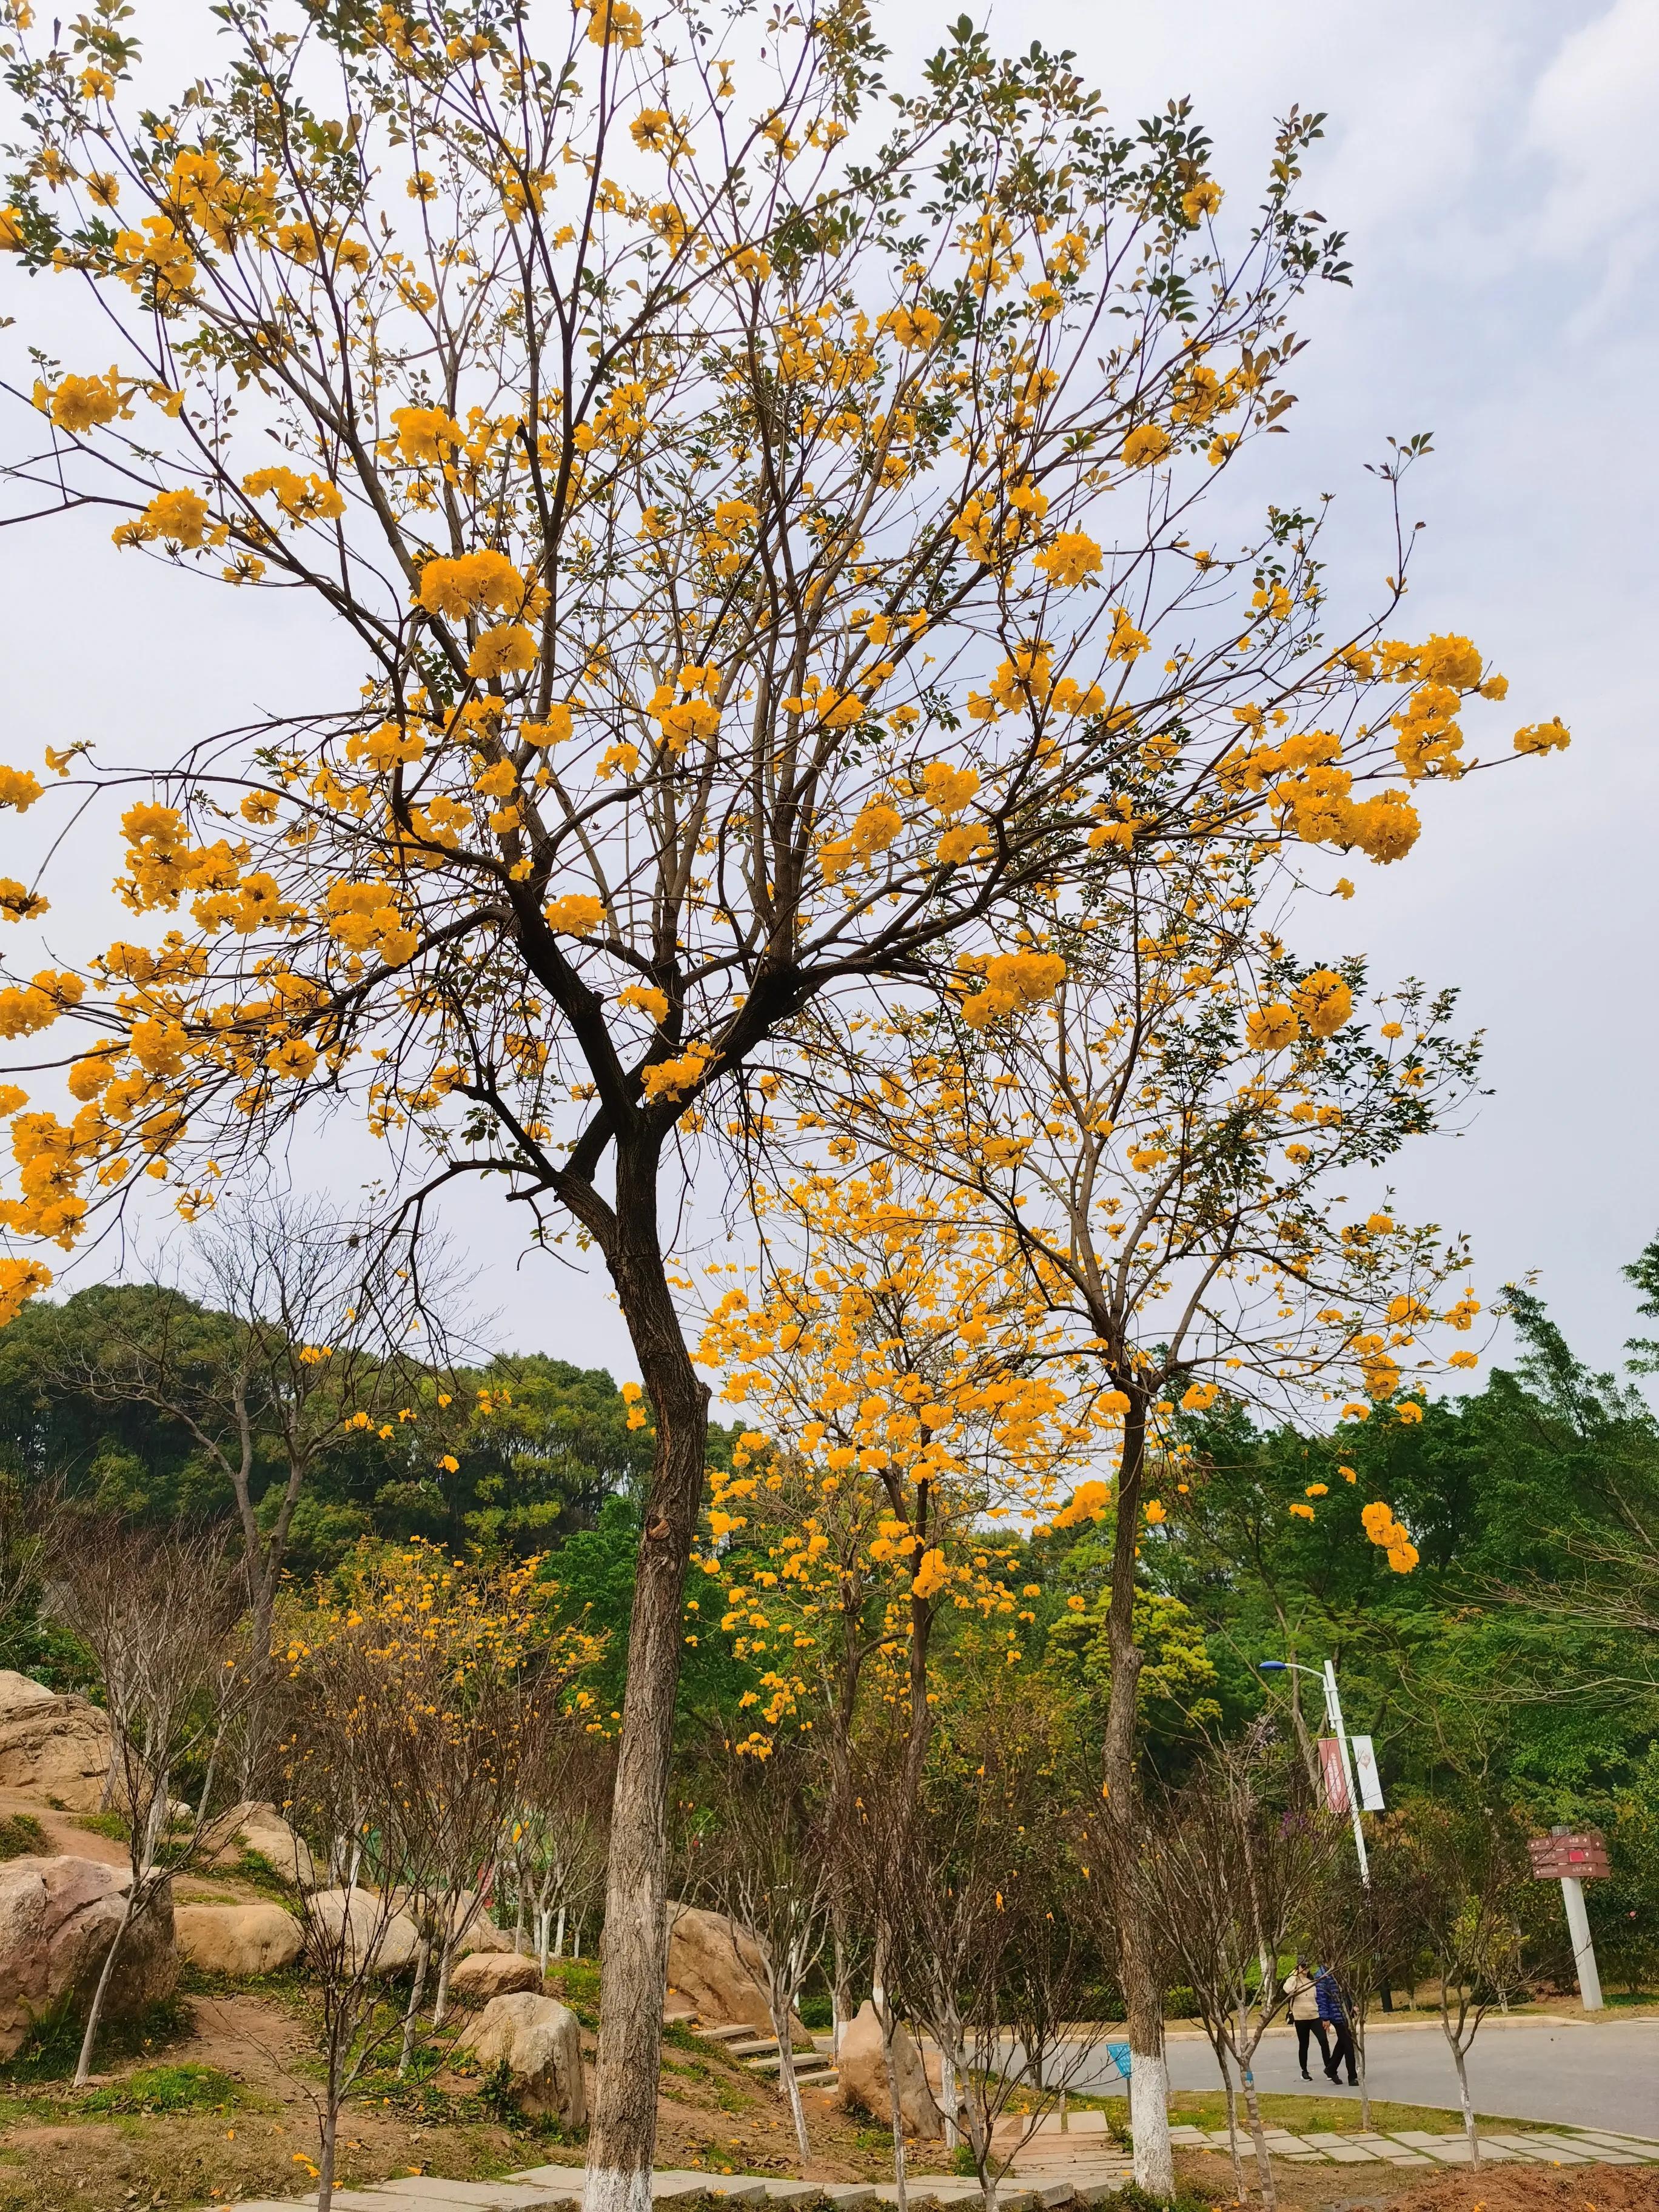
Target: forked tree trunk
<point>624,2127</point>
<point>1142,1996</point>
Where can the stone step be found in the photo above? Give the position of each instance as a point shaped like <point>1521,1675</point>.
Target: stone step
<point>802,2062</point>
<point>751,2042</point>
<point>736,2032</point>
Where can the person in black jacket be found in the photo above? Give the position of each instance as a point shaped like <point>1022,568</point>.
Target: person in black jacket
<point>1334,2014</point>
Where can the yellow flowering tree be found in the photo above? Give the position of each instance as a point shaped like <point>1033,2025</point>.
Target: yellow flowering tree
<point>423,1692</point>
<point>752,505</point>
<point>1171,1144</point>
<point>893,1353</point>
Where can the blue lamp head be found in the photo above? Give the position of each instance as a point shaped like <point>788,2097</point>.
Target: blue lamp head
<point>1272,1666</point>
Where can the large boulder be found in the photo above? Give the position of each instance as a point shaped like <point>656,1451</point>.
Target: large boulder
<point>238,1940</point>
<point>485,1975</point>
<point>716,1966</point>
<point>358,1924</point>
<point>863,2076</point>
<point>54,1747</point>
<point>256,1826</point>
<point>58,1919</point>
<point>539,2041</point>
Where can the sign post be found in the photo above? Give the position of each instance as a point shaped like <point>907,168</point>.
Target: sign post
<point>1572,1857</point>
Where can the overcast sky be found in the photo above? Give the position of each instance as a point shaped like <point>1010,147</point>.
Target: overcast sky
<point>1492,161</point>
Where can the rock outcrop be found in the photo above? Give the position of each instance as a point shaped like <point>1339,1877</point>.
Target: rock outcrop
<point>58,1919</point>
<point>863,2076</point>
<point>484,1975</point>
<point>715,1965</point>
<point>54,1746</point>
<point>540,2042</point>
<point>256,1826</point>
<point>359,1925</point>
<point>239,1941</point>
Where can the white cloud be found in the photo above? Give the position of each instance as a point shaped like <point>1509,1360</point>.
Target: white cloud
<point>1591,116</point>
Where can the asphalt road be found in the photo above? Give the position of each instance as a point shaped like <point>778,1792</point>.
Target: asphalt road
<point>1602,2074</point>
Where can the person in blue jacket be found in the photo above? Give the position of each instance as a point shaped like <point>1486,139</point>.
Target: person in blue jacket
<point>1335,2014</point>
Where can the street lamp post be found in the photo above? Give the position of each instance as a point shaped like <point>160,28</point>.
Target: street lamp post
<point>1326,1679</point>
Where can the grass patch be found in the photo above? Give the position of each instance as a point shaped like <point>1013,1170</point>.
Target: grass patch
<point>186,2088</point>
<point>22,1837</point>
<point>254,1868</point>
<point>1207,2108</point>
<point>575,1982</point>
<point>115,1825</point>
<point>52,2045</point>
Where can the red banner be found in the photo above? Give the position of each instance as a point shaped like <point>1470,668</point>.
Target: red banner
<point>1336,1783</point>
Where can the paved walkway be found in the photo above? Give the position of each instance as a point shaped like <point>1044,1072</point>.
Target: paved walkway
<point>1080,2162</point>
<point>1572,2073</point>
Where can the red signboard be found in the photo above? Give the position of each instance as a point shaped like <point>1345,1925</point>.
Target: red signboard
<point>1581,1855</point>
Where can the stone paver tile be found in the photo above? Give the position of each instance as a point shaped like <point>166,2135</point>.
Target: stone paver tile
<point>1644,2146</point>
<point>850,2196</point>
<point>1347,2153</point>
<point>551,2177</point>
<point>736,2188</point>
<point>790,2193</point>
<point>364,2200</point>
<point>484,2196</point>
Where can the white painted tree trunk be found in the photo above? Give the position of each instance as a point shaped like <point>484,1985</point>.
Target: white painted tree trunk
<point>1149,2123</point>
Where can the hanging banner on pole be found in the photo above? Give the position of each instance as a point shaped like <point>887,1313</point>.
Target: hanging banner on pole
<point>1330,1768</point>
<point>1366,1773</point>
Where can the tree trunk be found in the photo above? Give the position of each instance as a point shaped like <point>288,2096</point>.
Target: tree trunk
<point>417,1990</point>
<point>1232,2121</point>
<point>1143,1997</point>
<point>841,1982</point>
<point>884,2014</point>
<point>329,2125</point>
<point>440,2002</point>
<point>94,2014</point>
<point>1264,2165</point>
<point>1356,2021</point>
<point>1463,2099</point>
<point>791,2086</point>
<point>634,1977</point>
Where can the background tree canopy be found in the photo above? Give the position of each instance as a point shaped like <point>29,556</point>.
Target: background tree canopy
<point>1515,1665</point>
